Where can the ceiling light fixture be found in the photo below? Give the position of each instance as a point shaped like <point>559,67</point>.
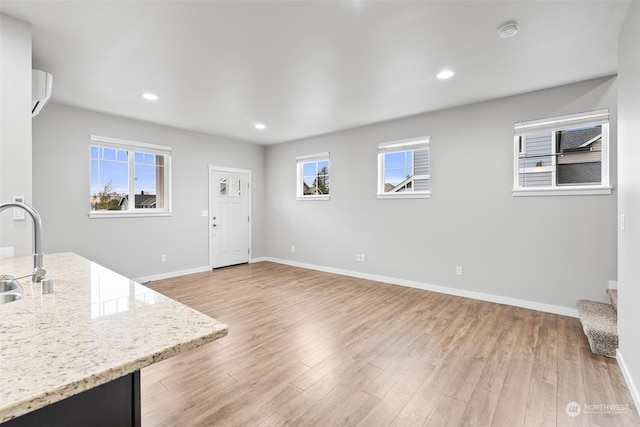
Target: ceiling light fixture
<point>509,29</point>
<point>259,126</point>
<point>445,74</point>
<point>150,96</point>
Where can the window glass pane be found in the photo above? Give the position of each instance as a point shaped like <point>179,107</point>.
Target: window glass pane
<point>565,157</point>
<point>421,162</point>
<point>109,180</point>
<point>230,187</point>
<point>322,178</point>
<point>126,177</point>
<point>309,169</point>
<point>224,187</point>
<point>122,155</point>
<point>421,185</point>
<point>580,156</point>
<point>537,160</point>
<point>315,178</point>
<point>108,153</point>
<point>579,173</point>
<point>235,187</point>
<point>404,167</point>
<point>148,180</point>
<point>398,171</point>
<point>394,160</point>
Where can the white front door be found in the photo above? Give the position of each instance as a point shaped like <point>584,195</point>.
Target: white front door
<point>229,216</point>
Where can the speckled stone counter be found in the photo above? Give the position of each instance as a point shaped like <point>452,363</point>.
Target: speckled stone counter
<point>96,327</point>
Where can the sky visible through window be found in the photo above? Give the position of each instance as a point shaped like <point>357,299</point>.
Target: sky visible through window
<point>310,171</point>
<point>398,166</point>
<point>112,165</point>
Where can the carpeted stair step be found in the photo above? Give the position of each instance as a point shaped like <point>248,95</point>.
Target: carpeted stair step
<point>613,294</point>
<point>600,325</point>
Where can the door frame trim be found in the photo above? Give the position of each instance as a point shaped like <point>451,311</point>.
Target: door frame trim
<point>212,169</point>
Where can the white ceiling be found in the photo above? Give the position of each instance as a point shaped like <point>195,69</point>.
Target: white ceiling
<point>309,67</point>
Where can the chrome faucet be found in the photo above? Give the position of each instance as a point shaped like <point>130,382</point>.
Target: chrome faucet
<point>38,257</point>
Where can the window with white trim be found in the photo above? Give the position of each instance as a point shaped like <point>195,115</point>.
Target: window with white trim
<point>562,155</point>
<point>129,178</point>
<point>313,176</point>
<point>403,168</point>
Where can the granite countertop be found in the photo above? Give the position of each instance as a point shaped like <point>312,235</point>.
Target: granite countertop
<point>96,327</point>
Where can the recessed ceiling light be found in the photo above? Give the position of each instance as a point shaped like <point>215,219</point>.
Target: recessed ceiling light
<point>445,74</point>
<point>509,29</point>
<point>150,96</point>
<point>259,126</point>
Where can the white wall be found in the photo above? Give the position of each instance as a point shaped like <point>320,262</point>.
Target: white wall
<point>15,130</point>
<point>549,250</point>
<point>132,246</point>
<point>629,200</point>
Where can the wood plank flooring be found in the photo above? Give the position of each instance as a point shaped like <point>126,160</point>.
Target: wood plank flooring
<point>307,348</point>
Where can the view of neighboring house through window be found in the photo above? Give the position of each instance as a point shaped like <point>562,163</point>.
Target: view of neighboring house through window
<point>568,154</point>
<point>129,178</point>
<point>403,168</point>
<point>313,176</point>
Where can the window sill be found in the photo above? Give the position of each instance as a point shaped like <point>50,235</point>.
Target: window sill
<point>120,214</point>
<point>313,198</point>
<point>412,195</point>
<point>562,191</point>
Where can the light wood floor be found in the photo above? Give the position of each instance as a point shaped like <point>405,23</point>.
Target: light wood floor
<point>307,348</point>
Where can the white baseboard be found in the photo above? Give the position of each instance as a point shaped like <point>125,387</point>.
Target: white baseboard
<point>548,308</point>
<point>631,385</point>
<point>170,274</point>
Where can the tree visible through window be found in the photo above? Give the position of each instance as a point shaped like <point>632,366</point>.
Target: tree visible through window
<point>313,176</point>
<point>129,177</point>
<point>316,178</point>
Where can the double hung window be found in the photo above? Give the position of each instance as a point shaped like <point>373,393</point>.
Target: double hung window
<point>129,178</point>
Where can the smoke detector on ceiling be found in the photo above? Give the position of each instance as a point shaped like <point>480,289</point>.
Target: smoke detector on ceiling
<point>509,29</point>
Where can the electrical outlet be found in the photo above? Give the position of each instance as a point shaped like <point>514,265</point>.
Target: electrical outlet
<point>362,258</point>
<point>293,248</point>
<point>163,258</point>
<point>358,258</point>
<point>458,271</point>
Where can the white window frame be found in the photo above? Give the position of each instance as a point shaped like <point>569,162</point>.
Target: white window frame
<point>401,146</point>
<point>122,144</point>
<point>554,124</point>
<point>309,158</point>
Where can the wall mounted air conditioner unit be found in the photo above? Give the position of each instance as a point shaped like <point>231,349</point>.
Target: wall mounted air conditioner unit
<point>41,86</point>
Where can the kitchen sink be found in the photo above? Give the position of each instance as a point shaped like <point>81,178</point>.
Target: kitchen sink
<point>8,285</point>
<point>10,290</point>
<point>9,297</point>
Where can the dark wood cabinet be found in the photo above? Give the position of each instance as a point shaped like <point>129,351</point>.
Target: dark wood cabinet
<point>114,404</point>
